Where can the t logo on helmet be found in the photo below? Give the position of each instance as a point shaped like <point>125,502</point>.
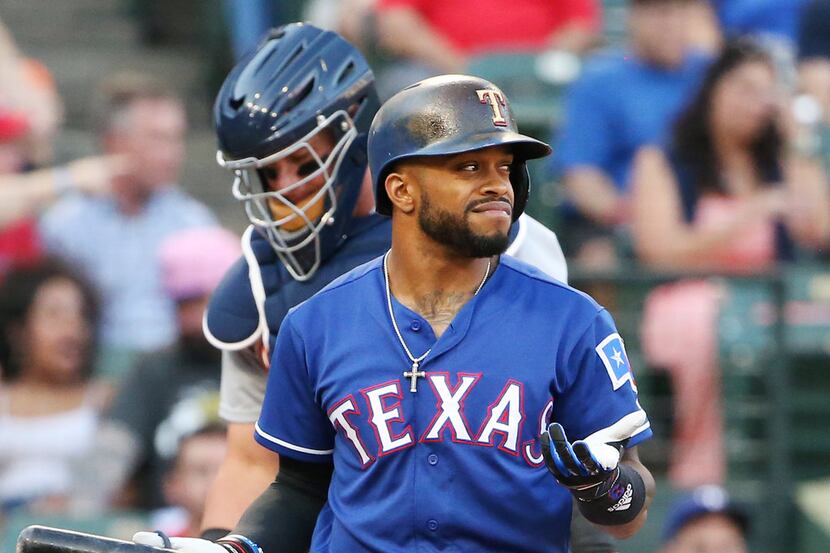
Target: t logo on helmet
<point>496,100</point>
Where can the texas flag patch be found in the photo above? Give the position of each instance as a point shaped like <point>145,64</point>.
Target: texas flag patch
<point>612,352</point>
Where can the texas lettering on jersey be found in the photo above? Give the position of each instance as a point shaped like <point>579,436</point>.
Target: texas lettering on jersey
<point>500,425</point>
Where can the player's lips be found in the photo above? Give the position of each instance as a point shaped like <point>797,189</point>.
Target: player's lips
<point>497,207</point>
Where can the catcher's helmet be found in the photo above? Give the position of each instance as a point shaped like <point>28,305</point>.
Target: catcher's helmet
<point>300,82</point>
<point>448,115</point>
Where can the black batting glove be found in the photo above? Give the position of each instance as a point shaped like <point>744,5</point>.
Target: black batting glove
<point>587,469</point>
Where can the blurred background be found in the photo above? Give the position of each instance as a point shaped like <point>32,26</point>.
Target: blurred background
<point>688,187</point>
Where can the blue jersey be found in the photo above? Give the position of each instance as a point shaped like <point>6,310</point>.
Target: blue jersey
<point>455,466</point>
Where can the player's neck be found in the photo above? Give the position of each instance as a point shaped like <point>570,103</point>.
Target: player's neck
<point>432,281</point>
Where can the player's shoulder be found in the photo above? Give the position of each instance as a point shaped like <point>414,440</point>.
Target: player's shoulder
<point>232,320</point>
<point>369,237</point>
<point>531,230</point>
<point>529,279</point>
<point>346,289</point>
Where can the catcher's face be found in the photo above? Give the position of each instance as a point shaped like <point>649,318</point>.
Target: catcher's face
<point>465,200</point>
<point>284,175</point>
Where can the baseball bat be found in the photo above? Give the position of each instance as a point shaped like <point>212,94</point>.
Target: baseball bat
<point>43,539</point>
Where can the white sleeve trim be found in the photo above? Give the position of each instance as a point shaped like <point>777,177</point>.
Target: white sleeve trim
<point>291,446</point>
<point>625,428</point>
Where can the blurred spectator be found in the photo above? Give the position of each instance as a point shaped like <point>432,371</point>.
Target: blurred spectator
<point>352,19</point>
<point>723,196</point>
<point>814,56</point>
<point>23,195</point>
<point>775,18</point>
<point>116,239</point>
<point>622,101</point>
<point>772,22</point>
<point>138,435</point>
<point>706,521</point>
<point>30,109</point>
<point>188,480</point>
<point>439,36</point>
<point>30,112</point>
<point>248,21</point>
<point>48,404</point>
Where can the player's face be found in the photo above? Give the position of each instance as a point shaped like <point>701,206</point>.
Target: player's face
<point>284,173</point>
<point>709,534</point>
<point>744,101</point>
<point>57,333</point>
<point>466,200</point>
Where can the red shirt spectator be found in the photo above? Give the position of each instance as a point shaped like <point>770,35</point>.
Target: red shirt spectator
<point>19,244</point>
<point>489,25</point>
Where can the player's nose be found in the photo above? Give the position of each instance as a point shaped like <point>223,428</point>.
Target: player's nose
<point>497,183</point>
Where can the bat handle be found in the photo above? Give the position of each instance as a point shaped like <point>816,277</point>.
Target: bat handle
<point>43,539</point>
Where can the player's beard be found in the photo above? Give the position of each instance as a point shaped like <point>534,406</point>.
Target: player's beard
<point>456,233</point>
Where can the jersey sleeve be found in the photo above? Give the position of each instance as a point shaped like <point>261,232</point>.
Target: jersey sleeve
<point>291,422</point>
<point>599,390</point>
<point>242,387</point>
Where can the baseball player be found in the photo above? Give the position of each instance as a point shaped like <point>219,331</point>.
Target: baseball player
<point>278,275</point>
<point>425,376</point>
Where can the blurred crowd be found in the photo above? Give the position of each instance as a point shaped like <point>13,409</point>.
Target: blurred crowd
<point>696,142</point>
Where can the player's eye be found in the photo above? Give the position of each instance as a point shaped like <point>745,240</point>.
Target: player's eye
<point>270,173</point>
<point>468,166</point>
<point>307,168</point>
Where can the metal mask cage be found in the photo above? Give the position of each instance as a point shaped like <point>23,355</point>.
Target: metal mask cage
<point>292,246</point>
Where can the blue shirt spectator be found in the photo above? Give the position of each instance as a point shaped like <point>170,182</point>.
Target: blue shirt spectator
<point>115,239</point>
<point>119,252</point>
<point>605,129</point>
<point>760,17</point>
<point>622,101</point>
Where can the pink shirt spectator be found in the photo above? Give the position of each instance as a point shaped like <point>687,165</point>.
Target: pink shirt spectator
<point>687,345</point>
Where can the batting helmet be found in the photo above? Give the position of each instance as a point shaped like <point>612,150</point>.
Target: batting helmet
<point>446,115</point>
<point>300,82</point>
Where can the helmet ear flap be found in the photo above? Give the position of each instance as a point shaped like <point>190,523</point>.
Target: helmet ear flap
<point>520,179</point>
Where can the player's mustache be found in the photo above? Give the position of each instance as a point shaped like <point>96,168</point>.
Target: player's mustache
<point>475,203</point>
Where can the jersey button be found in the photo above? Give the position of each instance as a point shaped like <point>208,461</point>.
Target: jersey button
<point>432,459</point>
<point>415,325</point>
<point>432,524</point>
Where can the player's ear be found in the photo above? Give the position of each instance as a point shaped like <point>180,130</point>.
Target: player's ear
<point>399,188</point>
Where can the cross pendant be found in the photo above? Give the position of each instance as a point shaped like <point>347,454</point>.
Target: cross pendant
<point>413,377</point>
